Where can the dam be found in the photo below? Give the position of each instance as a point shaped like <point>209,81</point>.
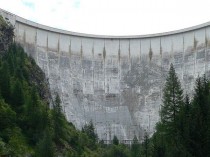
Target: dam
<point>115,81</point>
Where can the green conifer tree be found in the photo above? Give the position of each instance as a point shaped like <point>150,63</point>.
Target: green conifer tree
<point>184,127</point>
<point>90,131</point>
<point>45,147</point>
<point>135,147</point>
<point>17,100</point>
<point>199,124</point>
<point>146,144</point>
<point>5,84</point>
<point>59,121</point>
<point>170,109</point>
<point>172,100</point>
<point>115,140</point>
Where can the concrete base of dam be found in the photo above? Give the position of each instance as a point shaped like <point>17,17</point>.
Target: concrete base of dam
<point>114,81</point>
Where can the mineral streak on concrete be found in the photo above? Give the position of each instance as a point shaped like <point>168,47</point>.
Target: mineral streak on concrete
<point>115,81</point>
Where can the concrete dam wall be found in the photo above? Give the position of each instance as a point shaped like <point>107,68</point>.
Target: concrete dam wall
<point>115,81</point>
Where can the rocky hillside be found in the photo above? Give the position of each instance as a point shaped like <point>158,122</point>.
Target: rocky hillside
<point>6,35</point>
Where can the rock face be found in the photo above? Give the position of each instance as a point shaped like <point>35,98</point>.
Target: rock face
<point>114,81</point>
<point>6,35</point>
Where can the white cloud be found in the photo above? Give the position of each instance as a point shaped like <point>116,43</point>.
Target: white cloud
<point>115,17</point>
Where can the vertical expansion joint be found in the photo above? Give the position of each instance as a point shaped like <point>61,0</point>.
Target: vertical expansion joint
<point>47,56</point>
<point>172,51</point>
<point>119,52</point>
<point>183,57</point>
<point>183,42</point>
<point>104,52</point>
<point>37,58</point>
<point>93,49</point>
<point>93,73</point>
<point>47,42</point>
<point>15,30</point>
<point>150,52</point>
<point>59,43</point>
<point>70,48</point>
<point>140,51</point>
<point>172,46</point>
<point>81,50</point>
<point>104,71</point>
<point>24,36</point>
<point>36,37</point>
<point>195,43</point>
<point>206,43</point>
<point>129,49</point>
<point>161,49</point>
<point>195,54</point>
<point>206,39</point>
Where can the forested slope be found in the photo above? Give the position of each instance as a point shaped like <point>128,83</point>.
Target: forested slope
<point>27,124</point>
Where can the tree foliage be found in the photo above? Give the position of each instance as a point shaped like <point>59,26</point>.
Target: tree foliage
<point>27,125</point>
<point>135,147</point>
<point>172,101</point>
<point>115,140</point>
<point>184,127</point>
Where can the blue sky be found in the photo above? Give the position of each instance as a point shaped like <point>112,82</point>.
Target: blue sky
<point>112,17</point>
<point>29,4</point>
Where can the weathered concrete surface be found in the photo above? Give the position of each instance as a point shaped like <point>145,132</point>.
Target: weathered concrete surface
<point>114,81</point>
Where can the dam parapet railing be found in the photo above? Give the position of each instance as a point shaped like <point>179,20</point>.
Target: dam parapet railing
<point>13,18</point>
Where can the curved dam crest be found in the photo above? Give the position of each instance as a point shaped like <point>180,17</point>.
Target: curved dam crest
<point>114,81</point>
